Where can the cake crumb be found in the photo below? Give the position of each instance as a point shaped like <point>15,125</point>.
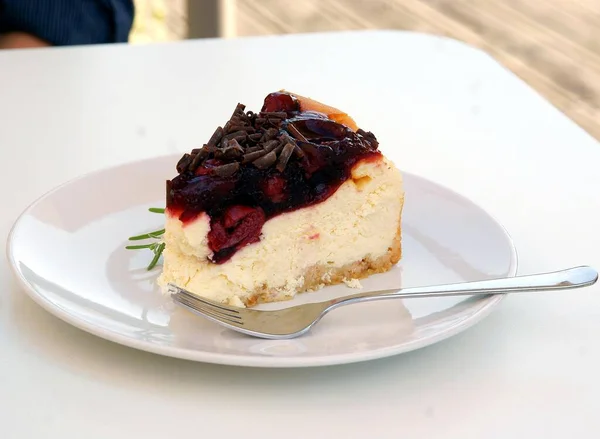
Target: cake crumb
<point>236,301</point>
<point>316,287</point>
<point>291,287</point>
<point>352,283</point>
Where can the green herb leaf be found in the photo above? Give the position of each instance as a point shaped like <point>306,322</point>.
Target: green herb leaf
<point>137,247</point>
<point>156,247</point>
<point>157,252</point>
<point>149,235</point>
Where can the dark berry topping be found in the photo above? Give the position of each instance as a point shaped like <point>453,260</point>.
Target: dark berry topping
<point>259,165</point>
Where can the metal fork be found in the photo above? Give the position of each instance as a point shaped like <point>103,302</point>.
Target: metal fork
<point>297,320</point>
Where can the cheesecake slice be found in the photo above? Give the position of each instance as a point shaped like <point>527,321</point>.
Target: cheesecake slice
<point>283,201</point>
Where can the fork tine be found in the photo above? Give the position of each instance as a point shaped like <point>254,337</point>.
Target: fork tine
<point>208,302</point>
<point>212,304</point>
<point>202,304</point>
<point>223,318</point>
<point>275,324</point>
<point>206,315</point>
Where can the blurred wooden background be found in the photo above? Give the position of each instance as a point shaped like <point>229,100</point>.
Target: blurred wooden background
<point>554,45</point>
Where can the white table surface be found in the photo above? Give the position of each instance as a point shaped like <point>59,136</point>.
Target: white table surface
<point>531,369</point>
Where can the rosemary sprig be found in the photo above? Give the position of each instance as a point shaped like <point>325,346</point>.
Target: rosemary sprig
<point>156,247</point>
<point>156,234</point>
<point>137,247</point>
<point>157,254</point>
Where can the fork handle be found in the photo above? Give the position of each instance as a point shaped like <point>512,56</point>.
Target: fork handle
<point>576,277</point>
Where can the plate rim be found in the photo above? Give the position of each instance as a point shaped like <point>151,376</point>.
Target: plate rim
<point>489,302</point>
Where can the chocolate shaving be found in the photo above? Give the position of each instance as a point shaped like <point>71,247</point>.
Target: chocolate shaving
<point>286,138</point>
<point>226,170</point>
<point>237,135</point>
<point>233,149</point>
<point>202,154</point>
<point>216,137</point>
<point>265,161</point>
<point>270,145</point>
<point>219,154</point>
<point>296,133</point>
<point>251,156</point>
<point>183,163</point>
<point>264,139</point>
<point>233,126</point>
<point>298,152</point>
<point>274,122</point>
<point>271,133</point>
<point>248,129</point>
<point>239,108</point>
<point>274,114</point>
<point>285,155</point>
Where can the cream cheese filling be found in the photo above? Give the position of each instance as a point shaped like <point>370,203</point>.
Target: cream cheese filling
<point>360,219</point>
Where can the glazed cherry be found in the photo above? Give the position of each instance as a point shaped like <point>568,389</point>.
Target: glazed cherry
<point>238,227</point>
<point>280,102</point>
<point>274,188</point>
<point>199,192</point>
<point>321,129</point>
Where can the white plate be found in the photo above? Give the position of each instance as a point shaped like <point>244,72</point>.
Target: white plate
<point>67,249</point>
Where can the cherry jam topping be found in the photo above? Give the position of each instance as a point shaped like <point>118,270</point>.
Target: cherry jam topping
<point>259,165</point>
<point>281,102</point>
